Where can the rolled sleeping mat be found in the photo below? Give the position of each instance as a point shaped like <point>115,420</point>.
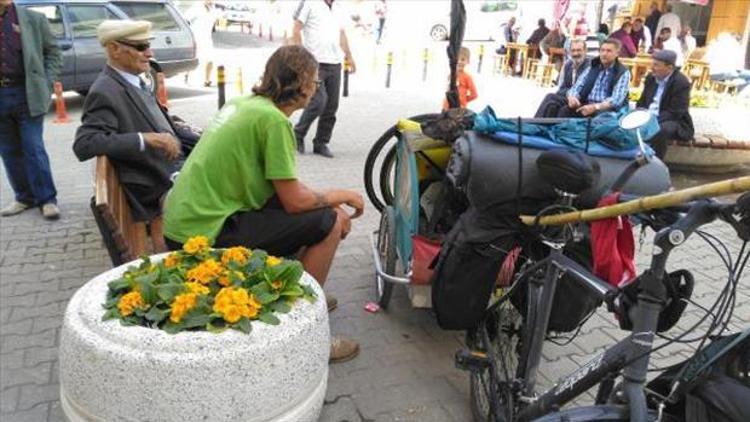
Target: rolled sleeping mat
<point>487,171</point>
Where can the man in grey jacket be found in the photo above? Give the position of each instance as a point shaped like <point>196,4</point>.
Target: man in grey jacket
<point>122,120</point>
<point>29,64</point>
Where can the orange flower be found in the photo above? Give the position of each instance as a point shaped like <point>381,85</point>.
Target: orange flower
<point>197,288</point>
<point>172,260</point>
<point>277,284</point>
<point>237,254</point>
<point>196,245</point>
<point>235,303</point>
<point>273,261</point>
<point>205,272</point>
<point>129,302</point>
<point>181,305</point>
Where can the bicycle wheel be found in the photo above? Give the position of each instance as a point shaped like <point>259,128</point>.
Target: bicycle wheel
<point>387,253</point>
<point>490,389</point>
<point>372,158</point>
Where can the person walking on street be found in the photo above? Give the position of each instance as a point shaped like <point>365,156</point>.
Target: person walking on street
<point>202,21</point>
<point>29,64</point>
<point>381,10</point>
<point>319,27</point>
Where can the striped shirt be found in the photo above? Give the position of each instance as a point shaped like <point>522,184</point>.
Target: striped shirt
<point>598,93</point>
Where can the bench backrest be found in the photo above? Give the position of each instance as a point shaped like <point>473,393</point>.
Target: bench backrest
<point>124,238</point>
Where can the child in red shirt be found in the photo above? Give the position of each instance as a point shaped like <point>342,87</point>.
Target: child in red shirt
<point>467,91</point>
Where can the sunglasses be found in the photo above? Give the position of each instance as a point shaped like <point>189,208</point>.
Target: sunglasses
<point>138,47</point>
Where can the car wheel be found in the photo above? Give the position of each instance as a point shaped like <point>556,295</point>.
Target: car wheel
<point>439,33</point>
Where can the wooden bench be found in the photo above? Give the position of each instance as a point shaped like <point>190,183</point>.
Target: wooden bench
<point>124,238</point>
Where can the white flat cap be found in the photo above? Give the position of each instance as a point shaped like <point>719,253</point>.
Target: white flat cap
<point>123,30</point>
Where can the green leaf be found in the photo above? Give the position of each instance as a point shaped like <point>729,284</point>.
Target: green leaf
<point>193,319</point>
<point>308,290</point>
<point>172,327</point>
<point>293,290</point>
<point>267,297</point>
<point>269,318</point>
<point>112,301</point>
<point>149,278</point>
<point>112,313</point>
<point>244,325</point>
<point>119,284</point>
<point>167,292</point>
<point>281,307</point>
<point>157,315</point>
<point>211,328</point>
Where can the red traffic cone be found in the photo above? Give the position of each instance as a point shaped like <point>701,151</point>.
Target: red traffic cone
<point>61,115</point>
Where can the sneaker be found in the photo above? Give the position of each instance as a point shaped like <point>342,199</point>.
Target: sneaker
<point>343,349</point>
<point>322,150</point>
<point>14,208</point>
<point>50,211</point>
<point>331,302</point>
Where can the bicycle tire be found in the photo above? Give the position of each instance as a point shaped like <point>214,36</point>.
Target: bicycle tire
<point>504,324</point>
<point>386,247</point>
<point>375,151</point>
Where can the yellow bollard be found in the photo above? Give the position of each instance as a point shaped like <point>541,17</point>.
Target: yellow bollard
<point>481,58</point>
<point>221,84</point>
<point>389,63</point>
<point>425,59</point>
<point>240,85</point>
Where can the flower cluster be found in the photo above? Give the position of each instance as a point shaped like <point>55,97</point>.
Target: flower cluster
<point>200,288</point>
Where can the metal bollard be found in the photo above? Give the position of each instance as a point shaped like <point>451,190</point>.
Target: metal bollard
<point>425,59</point>
<point>221,84</point>
<point>389,62</point>
<point>481,58</point>
<point>240,84</point>
<point>346,78</point>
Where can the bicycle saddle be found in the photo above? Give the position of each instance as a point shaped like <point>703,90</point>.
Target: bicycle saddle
<point>568,171</point>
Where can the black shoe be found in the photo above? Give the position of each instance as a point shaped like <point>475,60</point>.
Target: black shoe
<point>322,150</point>
<point>300,146</point>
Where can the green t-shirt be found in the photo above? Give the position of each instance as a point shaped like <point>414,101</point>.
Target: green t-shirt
<point>248,144</point>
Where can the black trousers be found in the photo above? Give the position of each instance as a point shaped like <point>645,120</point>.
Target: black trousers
<point>551,105</point>
<point>667,132</point>
<point>323,105</point>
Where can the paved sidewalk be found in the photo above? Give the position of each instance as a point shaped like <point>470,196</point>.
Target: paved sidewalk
<point>405,370</point>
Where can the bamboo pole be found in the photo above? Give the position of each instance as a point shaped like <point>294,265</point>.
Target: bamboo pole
<point>664,200</point>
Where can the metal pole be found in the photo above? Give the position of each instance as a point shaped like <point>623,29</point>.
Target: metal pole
<point>389,62</point>
<point>425,59</point>
<point>221,84</point>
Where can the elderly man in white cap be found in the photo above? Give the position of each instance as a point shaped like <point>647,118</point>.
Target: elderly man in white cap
<point>122,120</point>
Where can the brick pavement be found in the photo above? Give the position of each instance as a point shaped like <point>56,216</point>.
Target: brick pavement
<point>405,370</point>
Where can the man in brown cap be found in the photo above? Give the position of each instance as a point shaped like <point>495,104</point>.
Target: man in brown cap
<point>666,94</point>
<point>122,120</point>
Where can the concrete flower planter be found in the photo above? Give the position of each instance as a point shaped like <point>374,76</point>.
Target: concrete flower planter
<point>109,372</point>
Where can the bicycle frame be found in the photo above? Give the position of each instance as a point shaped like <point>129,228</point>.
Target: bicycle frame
<point>631,354</point>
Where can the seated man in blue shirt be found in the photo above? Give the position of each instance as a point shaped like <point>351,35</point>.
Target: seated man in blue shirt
<point>569,75</point>
<point>666,94</point>
<point>601,87</point>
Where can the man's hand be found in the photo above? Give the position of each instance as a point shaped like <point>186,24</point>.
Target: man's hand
<point>354,200</point>
<point>573,102</point>
<point>587,110</point>
<point>352,65</point>
<point>163,141</point>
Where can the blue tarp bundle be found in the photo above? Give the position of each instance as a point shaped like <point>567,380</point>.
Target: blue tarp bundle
<point>608,139</point>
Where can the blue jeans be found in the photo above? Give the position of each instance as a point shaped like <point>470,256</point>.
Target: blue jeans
<point>22,148</point>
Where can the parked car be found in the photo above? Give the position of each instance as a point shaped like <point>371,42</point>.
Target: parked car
<point>74,23</point>
<point>483,20</point>
<point>237,12</point>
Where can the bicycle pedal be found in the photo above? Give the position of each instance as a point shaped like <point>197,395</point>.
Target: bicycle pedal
<point>471,360</point>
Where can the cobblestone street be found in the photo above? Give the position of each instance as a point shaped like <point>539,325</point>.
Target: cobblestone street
<point>405,370</point>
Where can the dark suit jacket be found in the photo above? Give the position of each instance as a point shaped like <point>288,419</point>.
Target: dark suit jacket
<point>674,105</point>
<point>113,114</point>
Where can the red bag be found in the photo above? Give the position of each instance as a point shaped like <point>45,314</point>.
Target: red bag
<point>423,253</point>
<point>613,246</point>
